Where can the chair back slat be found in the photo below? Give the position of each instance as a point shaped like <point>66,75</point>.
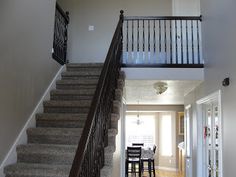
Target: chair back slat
<point>134,152</point>
<point>137,144</point>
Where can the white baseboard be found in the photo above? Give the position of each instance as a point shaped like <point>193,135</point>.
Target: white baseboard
<point>11,156</point>
<point>166,168</point>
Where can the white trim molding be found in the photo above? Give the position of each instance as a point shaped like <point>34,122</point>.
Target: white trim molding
<point>11,156</point>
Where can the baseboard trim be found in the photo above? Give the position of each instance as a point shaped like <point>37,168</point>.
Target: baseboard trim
<point>11,156</point>
<point>166,168</point>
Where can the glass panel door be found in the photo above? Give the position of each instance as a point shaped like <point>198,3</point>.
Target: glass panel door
<point>211,135</point>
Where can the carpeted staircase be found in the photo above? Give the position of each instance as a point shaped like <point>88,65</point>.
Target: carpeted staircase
<point>52,144</point>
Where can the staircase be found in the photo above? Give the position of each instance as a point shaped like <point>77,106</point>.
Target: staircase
<point>52,144</point>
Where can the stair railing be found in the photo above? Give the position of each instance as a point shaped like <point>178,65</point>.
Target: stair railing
<point>59,50</point>
<point>89,158</point>
<point>162,41</point>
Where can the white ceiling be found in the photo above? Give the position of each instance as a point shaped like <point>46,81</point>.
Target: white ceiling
<point>142,91</point>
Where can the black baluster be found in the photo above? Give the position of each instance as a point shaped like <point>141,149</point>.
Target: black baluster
<point>182,52</point>
<point>192,42</point>
<point>138,36</point>
<point>132,35</point>
<point>127,37</point>
<point>148,35</point>
<point>198,41</point>
<point>159,36</point>
<point>187,48</point>
<point>165,41</point>
<point>143,37</point>
<point>176,45</point>
<point>154,36</point>
<point>170,42</point>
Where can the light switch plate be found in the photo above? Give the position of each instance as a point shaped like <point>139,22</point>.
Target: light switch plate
<point>91,28</point>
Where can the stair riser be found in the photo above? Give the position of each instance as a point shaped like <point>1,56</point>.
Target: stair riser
<point>48,139</point>
<point>60,159</point>
<point>79,77</point>
<point>74,86</point>
<point>60,124</point>
<point>66,110</point>
<point>111,140</point>
<point>83,69</point>
<point>71,97</point>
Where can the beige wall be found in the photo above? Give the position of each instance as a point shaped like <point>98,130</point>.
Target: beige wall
<point>26,67</point>
<point>186,7</point>
<point>90,46</point>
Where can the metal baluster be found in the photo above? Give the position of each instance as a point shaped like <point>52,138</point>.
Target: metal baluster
<point>154,36</point>
<point>198,47</point>
<point>127,37</point>
<point>159,36</point>
<point>176,45</point>
<point>182,52</point>
<point>148,35</point>
<point>132,35</point>
<point>138,36</point>
<point>165,41</point>
<point>187,50</point>
<point>170,42</point>
<point>192,41</point>
<point>143,37</point>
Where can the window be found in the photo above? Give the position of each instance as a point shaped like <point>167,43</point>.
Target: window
<point>166,134</point>
<point>140,129</point>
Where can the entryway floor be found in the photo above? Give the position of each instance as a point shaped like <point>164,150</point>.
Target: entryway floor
<point>162,173</point>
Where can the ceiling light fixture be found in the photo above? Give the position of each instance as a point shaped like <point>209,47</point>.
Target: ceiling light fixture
<point>160,87</point>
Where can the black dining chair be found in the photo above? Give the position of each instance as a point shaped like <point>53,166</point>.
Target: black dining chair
<point>133,161</point>
<point>137,144</point>
<point>151,163</point>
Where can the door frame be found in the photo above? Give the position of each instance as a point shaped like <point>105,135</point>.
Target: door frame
<point>188,155</point>
<point>201,108</point>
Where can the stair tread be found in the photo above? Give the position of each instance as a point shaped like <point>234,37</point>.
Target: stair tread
<point>61,116</point>
<point>46,149</point>
<point>38,170</point>
<point>82,65</point>
<point>73,92</point>
<point>82,81</point>
<point>55,131</point>
<point>81,73</point>
<point>66,103</point>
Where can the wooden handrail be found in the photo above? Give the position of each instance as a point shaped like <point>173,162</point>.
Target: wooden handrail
<point>95,123</point>
<point>163,18</point>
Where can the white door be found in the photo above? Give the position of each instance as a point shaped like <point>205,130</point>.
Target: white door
<point>210,153</point>
<point>188,142</point>
<point>211,138</point>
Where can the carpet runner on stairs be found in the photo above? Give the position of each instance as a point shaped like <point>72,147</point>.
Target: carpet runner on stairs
<point>52,144</point>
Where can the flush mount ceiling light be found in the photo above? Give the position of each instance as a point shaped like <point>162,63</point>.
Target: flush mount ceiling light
<point>160,87</point>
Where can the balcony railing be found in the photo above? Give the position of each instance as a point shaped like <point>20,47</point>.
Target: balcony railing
<point>172,41</point>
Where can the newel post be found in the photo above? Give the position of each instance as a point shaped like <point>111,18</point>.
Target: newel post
<point>122,15</point>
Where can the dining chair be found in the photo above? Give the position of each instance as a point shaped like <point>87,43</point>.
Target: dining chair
<point>151,162</point>
<point>133,161</point>
<point>137,144</point>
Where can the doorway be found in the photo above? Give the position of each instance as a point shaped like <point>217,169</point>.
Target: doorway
<point>209,109</point>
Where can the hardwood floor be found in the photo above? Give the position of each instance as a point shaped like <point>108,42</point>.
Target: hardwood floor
<point>162,173</point>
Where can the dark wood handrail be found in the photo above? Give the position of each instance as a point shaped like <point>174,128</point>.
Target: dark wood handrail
<point>114,53</point>
<point>163,18</point>
<point>64,14</point>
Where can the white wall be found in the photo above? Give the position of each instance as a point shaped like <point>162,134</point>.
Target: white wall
<point>219,43</point>
<point>26,68</point>
<point>91,46</point>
